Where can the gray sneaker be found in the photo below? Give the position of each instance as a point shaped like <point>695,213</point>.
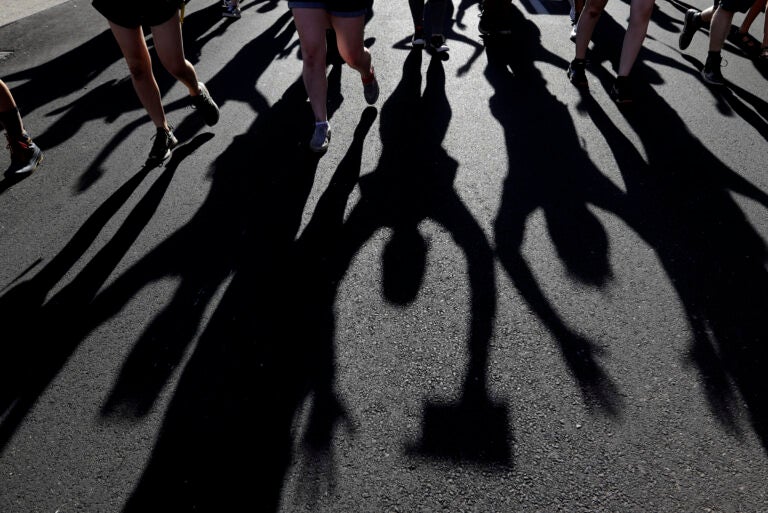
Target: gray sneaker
<point>25,155</point>
<point>321,138</point>
<point>205,104</point>
<point>371,90</point>
<point>165,141</point>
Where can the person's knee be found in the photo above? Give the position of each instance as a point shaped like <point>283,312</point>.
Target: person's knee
<point>139,69</point>
<point>594,9</point>
<point>356,57</point>
<point>313,57</point>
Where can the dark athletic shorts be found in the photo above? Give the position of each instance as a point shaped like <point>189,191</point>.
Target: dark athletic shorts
<point>340,8</point>
<point>135,13</point>
<point>734,5</point>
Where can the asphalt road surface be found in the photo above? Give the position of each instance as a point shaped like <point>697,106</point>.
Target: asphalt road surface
<point>492,294</point>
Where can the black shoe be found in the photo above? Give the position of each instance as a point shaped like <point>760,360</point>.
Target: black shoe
<point>165,141</point>
<point>690,26</point>
<point>712,75</point>
<point>621,92</point>
<point>25,155</point>
<point>711,71</point>
<point>577,73</point>
<point>437,44</point>
<point>205,104</point>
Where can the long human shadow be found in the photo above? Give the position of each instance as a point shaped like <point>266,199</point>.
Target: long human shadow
<point>562,184</point>
<point>226,438</point>
<point>148,368</point>
<point>413,182</point>
<point>40,333</point>
<point>681,202</point>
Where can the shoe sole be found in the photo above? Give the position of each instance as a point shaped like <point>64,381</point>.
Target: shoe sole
<point>31,168</point>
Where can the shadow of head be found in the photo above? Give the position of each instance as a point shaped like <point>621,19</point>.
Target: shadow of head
<point>404,262</point>
<point>475,431</point>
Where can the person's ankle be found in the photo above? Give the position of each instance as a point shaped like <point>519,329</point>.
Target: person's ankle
<point>370,77</point>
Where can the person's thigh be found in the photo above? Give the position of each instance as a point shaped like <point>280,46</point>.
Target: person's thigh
<point>168,42</point>
<point>349,33</point>
<point>311,24</point>
<point>132,45</point>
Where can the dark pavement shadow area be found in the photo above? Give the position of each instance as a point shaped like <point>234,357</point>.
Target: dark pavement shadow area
<point>40,333</point>
<point>227,435</point>
<point>563,184</point>
<point>269,347</point>
<point>413,182</point>
<point>681,201</point>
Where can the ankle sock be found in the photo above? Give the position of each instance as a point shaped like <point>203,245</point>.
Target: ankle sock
<point>713,59</point>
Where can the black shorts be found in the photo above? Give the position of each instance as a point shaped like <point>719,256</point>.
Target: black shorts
<point>734,5</point>
<point>135,13</point>
<point>340,8</point>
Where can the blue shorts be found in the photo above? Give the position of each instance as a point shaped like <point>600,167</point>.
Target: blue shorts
<point>340,8</point>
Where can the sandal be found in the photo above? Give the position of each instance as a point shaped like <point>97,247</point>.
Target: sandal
<point>744,40</point>
<point>763,56</point>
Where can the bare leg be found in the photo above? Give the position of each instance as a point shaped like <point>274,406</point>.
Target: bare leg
<point>765,30</point>
<point>706,15</point>
<point>751,16</point>
<point>134,47</point>
<point>639,16</point>
<point>311,25</point>
<point>6,98</point>
<point>349,36</point>
<point>10,119</point>
<point>170,49</point>
<point>718,30</point>
<point>586,25</point>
